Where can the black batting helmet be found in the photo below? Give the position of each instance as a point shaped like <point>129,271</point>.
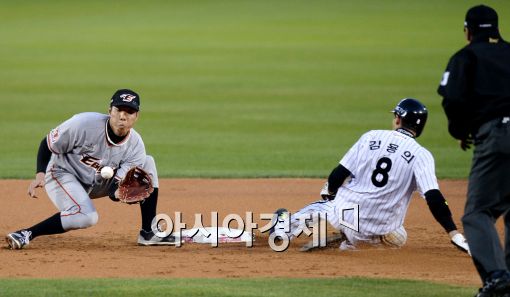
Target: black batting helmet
<point>413,114</point>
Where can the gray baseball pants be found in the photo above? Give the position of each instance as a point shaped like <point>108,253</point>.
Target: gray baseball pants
<point>74,200</point>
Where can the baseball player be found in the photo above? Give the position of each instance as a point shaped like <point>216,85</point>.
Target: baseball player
<point>381,171</point>
<point>69,162</point>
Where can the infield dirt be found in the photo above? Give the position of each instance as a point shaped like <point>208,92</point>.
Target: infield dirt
<point>109,249</point>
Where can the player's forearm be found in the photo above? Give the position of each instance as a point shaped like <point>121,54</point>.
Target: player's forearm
<point>337,177</point>
<point>440,210</point>
<point>43,156</point>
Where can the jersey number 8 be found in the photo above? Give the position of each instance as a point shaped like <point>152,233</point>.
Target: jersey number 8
<point>383,171</point>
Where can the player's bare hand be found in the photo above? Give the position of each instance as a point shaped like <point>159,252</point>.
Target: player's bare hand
<point>465,144</point>
<point>38,182</point>
<point>459,241</point>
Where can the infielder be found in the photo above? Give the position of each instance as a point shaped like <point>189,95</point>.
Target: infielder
<point>69,162</point>
<point>381,171</point>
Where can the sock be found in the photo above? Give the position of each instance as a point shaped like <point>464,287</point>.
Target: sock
<point>52,225</point>
<point>148,209</point>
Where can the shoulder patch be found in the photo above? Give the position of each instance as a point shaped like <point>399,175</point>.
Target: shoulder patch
<point>444,81</point>
<point>54,135</point>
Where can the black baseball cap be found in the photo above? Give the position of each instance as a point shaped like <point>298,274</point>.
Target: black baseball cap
<point>481,17</point>
<point>126,97</point>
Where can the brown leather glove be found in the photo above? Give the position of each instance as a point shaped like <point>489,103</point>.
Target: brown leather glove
<point>135,187</point>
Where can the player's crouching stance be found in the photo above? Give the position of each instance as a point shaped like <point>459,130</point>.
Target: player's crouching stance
<point>381,171</point>
<point>69,163</point>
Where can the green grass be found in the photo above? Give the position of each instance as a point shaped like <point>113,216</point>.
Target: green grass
<point>230,88</point>
<point>345,287</point>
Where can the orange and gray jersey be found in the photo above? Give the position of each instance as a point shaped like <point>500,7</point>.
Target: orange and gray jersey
<point>387,167</point>
<point>81,146</point>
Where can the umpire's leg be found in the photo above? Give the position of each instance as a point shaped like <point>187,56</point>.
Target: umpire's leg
<point>487,194</point>
<point>507,238</point>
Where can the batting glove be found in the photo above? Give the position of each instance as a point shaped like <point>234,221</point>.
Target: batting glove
<point>459,241</point>
<point>326,194</point>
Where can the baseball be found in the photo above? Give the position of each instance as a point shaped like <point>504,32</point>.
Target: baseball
<point>106,172</point>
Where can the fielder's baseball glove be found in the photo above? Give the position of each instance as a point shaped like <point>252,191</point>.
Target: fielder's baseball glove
<point>135,187</point>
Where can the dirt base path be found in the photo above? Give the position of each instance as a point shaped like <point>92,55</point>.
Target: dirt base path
<point>109,249</point>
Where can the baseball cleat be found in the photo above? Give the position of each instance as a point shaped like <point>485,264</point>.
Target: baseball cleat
<point>149,238</point>
<point>279,221</point>
<point>19,239</point>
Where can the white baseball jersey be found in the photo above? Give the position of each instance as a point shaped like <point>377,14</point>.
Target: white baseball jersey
<point>387,167</point>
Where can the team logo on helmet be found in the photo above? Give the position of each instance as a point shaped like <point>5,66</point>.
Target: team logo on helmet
<point>127,97</point>
<point>400,111</point>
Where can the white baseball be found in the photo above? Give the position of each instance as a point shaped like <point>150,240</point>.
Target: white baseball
<point>106,172</point>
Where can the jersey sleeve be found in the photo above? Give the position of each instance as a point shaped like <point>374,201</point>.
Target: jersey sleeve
<point>454,88</point>
<point>351,158</point>
<point>425,173</point>
<point>63,138</point>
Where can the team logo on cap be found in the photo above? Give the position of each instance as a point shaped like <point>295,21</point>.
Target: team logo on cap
<point>127,97</point>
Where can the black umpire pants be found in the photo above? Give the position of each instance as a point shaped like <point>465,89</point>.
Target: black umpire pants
<point>489,198</point>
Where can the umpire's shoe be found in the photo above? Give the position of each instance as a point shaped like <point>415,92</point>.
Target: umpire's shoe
<point>19,239</point>
<point>149,238</point>
<point>497,285</point>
